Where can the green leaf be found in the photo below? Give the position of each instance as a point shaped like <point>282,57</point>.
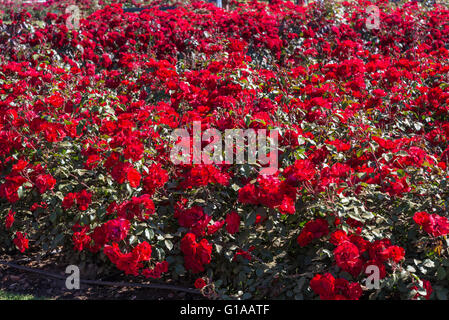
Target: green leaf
<point>168,244</point>
<point>441,273</point>
<point>80,126</point>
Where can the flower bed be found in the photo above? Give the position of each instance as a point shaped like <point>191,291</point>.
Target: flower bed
<point>86,118</point>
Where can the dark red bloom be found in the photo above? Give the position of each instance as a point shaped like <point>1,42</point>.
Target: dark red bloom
<point>9,219</point>
<point>232,222</point>
<point>83,200</point>
<point>45,182</point>
<point>313,230</point>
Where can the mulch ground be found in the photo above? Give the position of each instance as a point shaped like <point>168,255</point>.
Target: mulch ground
<point>23,282</point>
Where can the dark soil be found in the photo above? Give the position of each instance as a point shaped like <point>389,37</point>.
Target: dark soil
<point>17,281</point>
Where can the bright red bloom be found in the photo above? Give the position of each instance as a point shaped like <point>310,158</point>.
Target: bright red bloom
<point>196,255</point>
<point>157,177</point>
<point>133,177</point>
<point>395,253</point>
<point>323,285</point>
<point>200,283</point>
<point>193,218</point>
<point>134,150</point>
<point>248,194</point>
<point>300,171</point>
<point>338,237</point>
<point>157,271</point>
<point>204,251</point>
<point>421,218</point>
<point>142,252</point>
<point>80,240</point>
<point>433,224</point>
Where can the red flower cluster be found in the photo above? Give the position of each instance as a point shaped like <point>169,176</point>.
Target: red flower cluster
<point>329,288</point>
<point>9,219</point>
<point>193,218</point>
<point>433,224</point>
<point>196,254</point>
<point>270,192</point>
<point>314,229</point>
<point>131,262</point>
<point>350,253</point>
<point>82,199</point>
<point>232,222</point>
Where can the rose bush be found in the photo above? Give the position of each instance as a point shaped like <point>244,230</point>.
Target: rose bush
<point>85,123</point>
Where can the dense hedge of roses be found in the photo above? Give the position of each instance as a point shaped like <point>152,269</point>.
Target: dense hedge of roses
<point>85,123</point>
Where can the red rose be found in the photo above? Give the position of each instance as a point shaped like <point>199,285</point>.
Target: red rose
<point>21,241</point>
<point>437,226</point>
<point>68,201</point>
<point>421,218</point>
<point>200,283</point>
<point>215,227</point>
<point>323,285</point>
<point>156,178</point>
<point>338,237</point>
<point>427,286</point>
<point>9,219</point>
<point>395,253</point>
<point>80,240</point>
<point>142,252</point>
<point>329,288</point>
<point>313,230</point>
<point>301,170</point>
<point>347,256</point>
<point>188,244</point>
<point>304,238</point>
<point>377,250</point>
<point>204,251</point>
<point>117,229</point>
<point>133,177</point>
<point>134,150</point>
<point>248,194</point>
<point>192,264</point>
<point>44,182</point>
<point>350,291</point>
